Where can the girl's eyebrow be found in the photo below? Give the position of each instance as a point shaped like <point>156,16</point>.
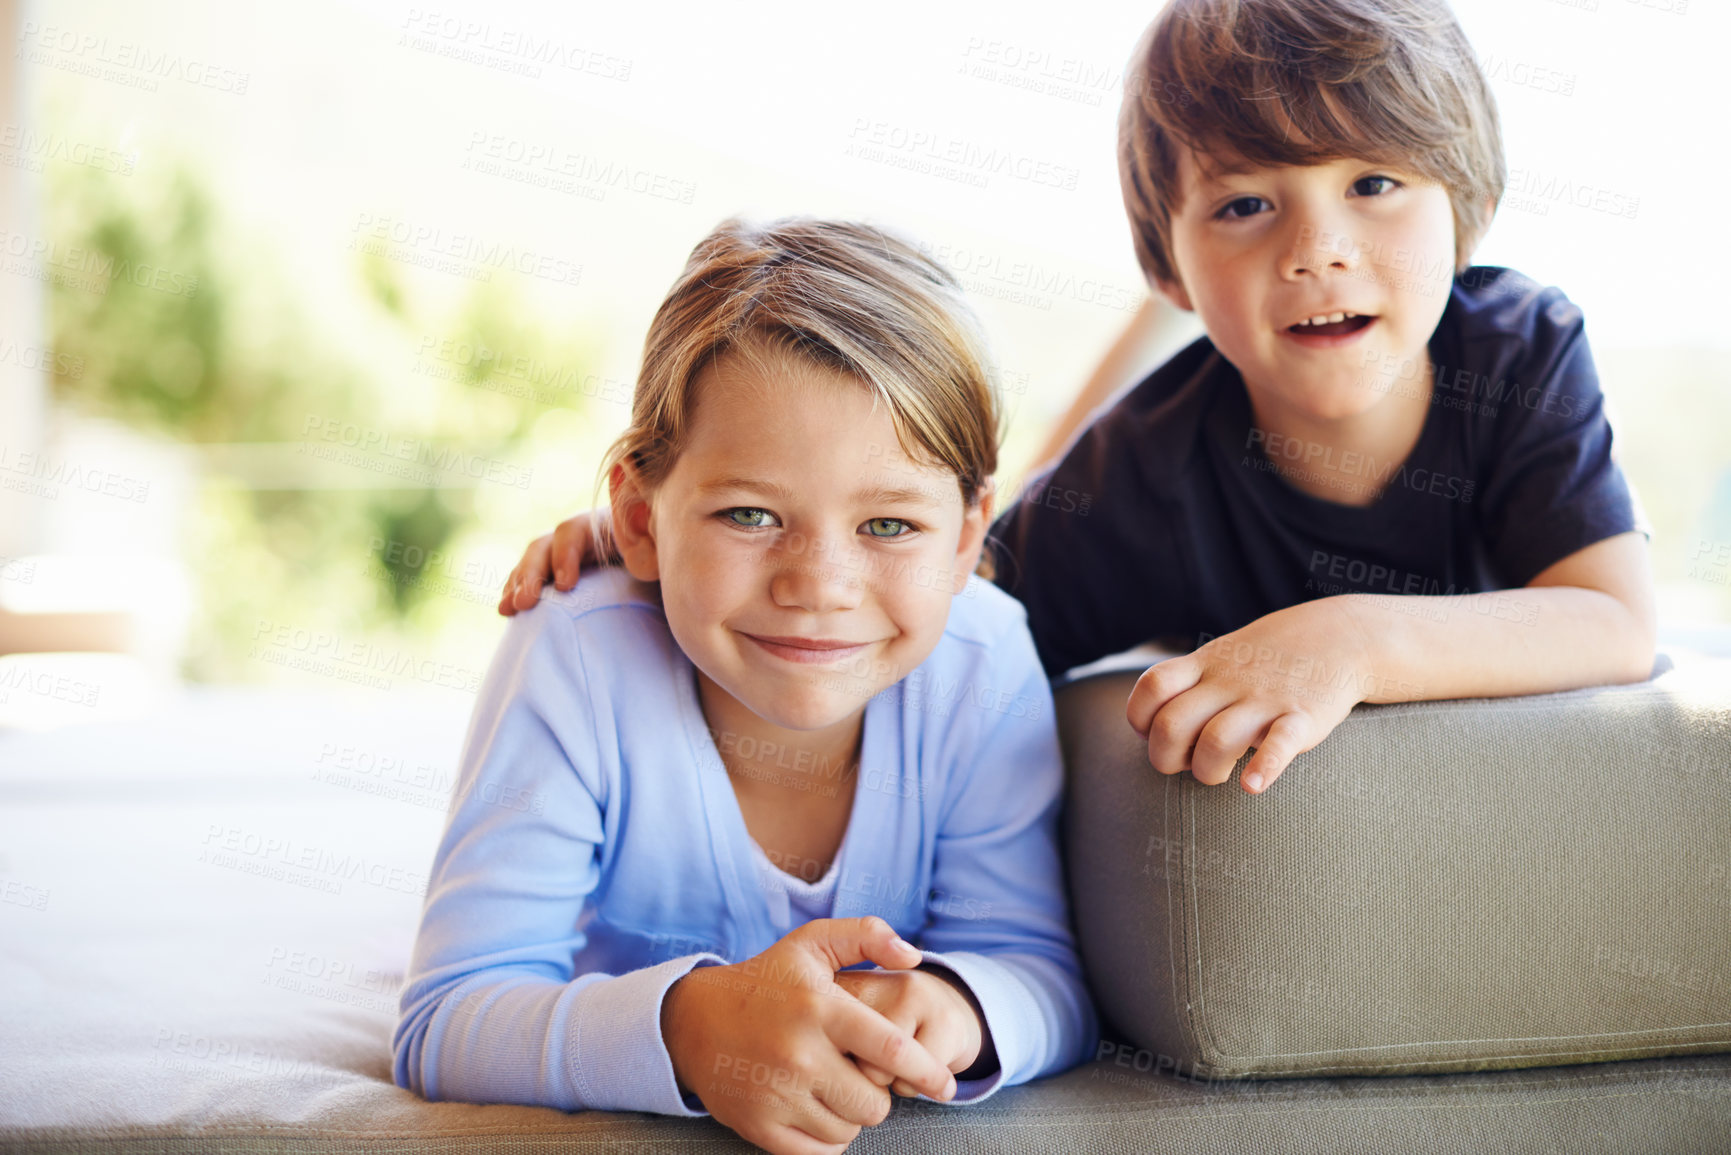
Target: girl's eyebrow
<point>726,484</point>
<point>871,494</point>
<point>894,494</point>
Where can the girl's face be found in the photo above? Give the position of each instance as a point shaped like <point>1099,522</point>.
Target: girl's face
<point>805,562</point>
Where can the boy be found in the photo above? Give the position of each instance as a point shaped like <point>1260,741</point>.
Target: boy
<point>1366,417</point>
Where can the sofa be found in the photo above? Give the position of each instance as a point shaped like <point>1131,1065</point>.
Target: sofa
<point>1480,925</point>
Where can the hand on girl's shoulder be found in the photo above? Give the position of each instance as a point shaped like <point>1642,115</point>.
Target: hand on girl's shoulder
<point>598,588</point>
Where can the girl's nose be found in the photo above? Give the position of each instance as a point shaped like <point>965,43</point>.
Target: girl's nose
<point>818,577</point>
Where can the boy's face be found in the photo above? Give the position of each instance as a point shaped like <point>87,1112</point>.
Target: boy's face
<point>1260,251</point>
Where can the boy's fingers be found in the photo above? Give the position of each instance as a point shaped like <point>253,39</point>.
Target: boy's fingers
<point>569,538</point>
<point>531,573</point>
<point>1158,684</point>
<point>1288,737</point>
<point>1174,730</point>
<point>1224,739</point>
<point>536,565</point>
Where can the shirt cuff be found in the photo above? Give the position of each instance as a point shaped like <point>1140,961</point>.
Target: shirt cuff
<point>997,994</point>
<point>619,1060</point>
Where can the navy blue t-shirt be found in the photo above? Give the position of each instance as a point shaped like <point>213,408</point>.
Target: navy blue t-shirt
<point>1166,520</point>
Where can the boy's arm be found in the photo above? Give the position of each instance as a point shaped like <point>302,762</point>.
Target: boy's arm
<point>1282,683</point>
<point>1557,518</point>
<point>1586,620</point>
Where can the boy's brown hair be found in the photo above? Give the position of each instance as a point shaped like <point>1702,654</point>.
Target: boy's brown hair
<point>1297,82</point>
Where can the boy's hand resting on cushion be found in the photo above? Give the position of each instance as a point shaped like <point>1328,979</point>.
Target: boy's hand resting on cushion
<point>1280,684</point>
<point>557,557</point>
<point>770,1044</point>
<point>937,1010</point>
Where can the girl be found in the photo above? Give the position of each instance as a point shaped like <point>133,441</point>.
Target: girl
<point>698,791</point>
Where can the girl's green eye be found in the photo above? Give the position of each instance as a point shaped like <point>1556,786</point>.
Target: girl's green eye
<point>896,525</point>
<point>749,518</point>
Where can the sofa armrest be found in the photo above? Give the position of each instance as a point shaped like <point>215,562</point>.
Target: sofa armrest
<point>1437,886</point>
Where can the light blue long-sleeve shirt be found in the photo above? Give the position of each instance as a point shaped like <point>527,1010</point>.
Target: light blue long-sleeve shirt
<point>595,852</point>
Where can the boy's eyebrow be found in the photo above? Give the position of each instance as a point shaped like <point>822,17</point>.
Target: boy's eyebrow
<point>1214,174</point>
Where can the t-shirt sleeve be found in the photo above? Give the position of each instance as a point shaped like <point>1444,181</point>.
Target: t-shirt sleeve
<point>1552,483</point>
<point>998,915</point>
<point>490,1011</point>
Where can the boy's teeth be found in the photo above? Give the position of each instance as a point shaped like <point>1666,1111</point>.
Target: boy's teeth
<point>1327,319</point>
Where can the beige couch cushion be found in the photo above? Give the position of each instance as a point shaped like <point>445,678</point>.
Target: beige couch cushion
<point>1440,886</point>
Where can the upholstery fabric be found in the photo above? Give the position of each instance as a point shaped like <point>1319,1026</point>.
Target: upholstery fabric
<point>1438,886</point>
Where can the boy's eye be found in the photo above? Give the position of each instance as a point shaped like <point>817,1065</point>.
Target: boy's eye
<point>748,517</point>
<point>887,527</point>
<point>1242,207</point>
<point>1371,186</point>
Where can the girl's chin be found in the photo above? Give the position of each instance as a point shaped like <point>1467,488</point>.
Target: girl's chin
<point>821,711</point>
<point>812,708</point>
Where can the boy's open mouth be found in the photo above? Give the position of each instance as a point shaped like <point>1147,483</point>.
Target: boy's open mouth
<point>1315,327</point>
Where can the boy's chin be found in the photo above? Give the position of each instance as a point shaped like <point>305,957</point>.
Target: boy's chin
<point>1339,400</point>
<point>1347,406</point>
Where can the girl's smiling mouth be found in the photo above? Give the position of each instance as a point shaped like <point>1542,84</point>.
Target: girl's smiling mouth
<point>811,651</point>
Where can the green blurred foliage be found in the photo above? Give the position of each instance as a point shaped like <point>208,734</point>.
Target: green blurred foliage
<point>189,331</point>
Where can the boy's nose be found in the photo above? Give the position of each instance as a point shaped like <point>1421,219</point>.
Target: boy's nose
<point>1317,250</point>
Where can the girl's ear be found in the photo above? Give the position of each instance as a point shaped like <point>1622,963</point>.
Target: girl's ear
<point>976,522</point>
<point>633,528</point>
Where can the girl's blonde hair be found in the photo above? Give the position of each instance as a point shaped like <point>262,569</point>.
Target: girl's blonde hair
<point>846,296</point>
